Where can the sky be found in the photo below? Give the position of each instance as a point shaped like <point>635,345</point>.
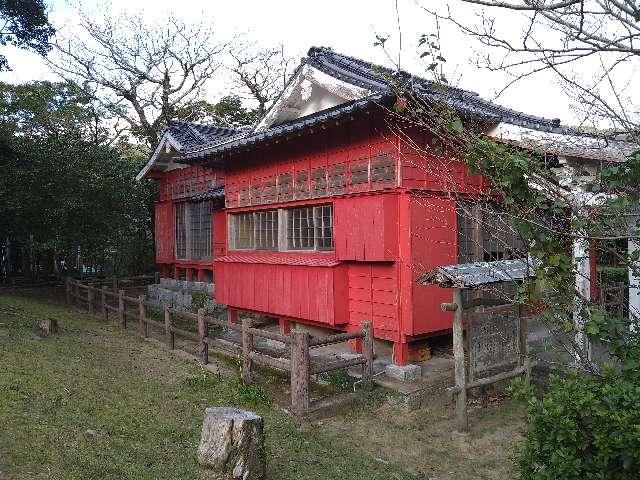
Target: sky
<point>348,26</point>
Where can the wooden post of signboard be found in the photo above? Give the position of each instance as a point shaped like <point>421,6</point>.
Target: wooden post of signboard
<point>462,422</point>
<point>247,347</point>
<point>300,371</point>
<point>204,340</point>
<point>523,343</point>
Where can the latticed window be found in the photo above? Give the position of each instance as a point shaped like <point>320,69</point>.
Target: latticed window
<point>323,223</point>
<point>193,230</point>
<point>310,228</point>
<point>243,230</point>
<point>300,234</point>
<point>301,228</point>
<point>266,229</point>
<point>181,230</point>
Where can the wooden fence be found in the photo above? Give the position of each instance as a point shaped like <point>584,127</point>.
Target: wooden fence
<point>100,300</point>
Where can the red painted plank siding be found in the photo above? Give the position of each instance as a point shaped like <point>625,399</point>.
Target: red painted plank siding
<point>164,232</point>
<point>433,243</point>
<point>373,294</point>
<point>219,232</point>
<point>366,227</point>
<point>295,291</point>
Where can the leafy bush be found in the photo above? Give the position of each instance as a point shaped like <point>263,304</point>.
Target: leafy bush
<point>585,427</point>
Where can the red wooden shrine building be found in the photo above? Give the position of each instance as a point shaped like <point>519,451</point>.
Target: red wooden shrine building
<point>322,214</point>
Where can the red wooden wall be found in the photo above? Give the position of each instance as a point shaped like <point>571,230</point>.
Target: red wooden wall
<point>366,227</point>
<point>164,236</point>
<point>291,286</point>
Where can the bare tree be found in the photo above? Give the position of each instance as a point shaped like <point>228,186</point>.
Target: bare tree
<point>262,73</point>
<point>142,73</point>
<point>591,45</point>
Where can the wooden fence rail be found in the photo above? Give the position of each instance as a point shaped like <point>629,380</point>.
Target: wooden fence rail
<point>299,365</point>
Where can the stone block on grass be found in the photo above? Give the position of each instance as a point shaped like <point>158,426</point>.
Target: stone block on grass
<point>232,443</point>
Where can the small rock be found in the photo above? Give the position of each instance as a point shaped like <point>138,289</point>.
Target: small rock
<point>93,434</point>
<point>48,326</point>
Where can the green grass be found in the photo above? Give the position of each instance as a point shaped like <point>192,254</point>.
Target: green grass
<point>146,404</point>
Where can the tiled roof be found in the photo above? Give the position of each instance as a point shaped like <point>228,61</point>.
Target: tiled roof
<point>192,135</point>
<point>211,194</point>
<point>372,77</point>
<point>377,80</point>
<point>470,275</point>
<point>289,128</point>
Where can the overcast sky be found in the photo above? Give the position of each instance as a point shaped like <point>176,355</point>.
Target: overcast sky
<point>349,26</point>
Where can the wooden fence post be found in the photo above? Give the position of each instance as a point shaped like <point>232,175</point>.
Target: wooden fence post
<point>156,277</point>
<point>105,312</point>
<point>67,289</point>
<point>122,318</point>
<point>247,347</point>
<point>203,334</point>
<point>462,423</point>
<point>142,317</point>
<point>300,371</point>
<point>367,352</point>
<point>115,284</point>
<point>90,300</point>
<point>77,292</point>
<point>168,330</point>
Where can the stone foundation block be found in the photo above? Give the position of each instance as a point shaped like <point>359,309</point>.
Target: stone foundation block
<point>404,373</point>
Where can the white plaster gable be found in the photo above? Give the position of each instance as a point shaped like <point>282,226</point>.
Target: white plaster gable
<point>310,91</point>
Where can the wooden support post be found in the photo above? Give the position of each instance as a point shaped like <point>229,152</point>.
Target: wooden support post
<point>524,344</point>
<point>203,333</point>
<point>103,302</point>
<point>232,315</point>
<point>67,289</point>
<point>247,347</point>
<point>90,300</point>
<point>300,371</point>
<point>77,291</point>
<point>114,282</point>
<point>462,423</point>
<point>367,352</point>
<point>156,277</point>
<point>122,318</point>
<point>168,331</point>
<point>142,317</point>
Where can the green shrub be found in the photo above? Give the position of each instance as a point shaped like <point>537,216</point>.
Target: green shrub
<point>585,427</point>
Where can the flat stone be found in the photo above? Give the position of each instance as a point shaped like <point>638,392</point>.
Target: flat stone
<point>404,373</point>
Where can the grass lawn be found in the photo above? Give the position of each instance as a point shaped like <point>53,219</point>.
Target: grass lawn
<point>145,405</point>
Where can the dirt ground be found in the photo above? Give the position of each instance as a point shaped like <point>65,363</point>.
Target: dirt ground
<point>144,394</point>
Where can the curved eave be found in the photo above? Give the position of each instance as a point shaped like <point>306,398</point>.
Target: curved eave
<point>289,129</point>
